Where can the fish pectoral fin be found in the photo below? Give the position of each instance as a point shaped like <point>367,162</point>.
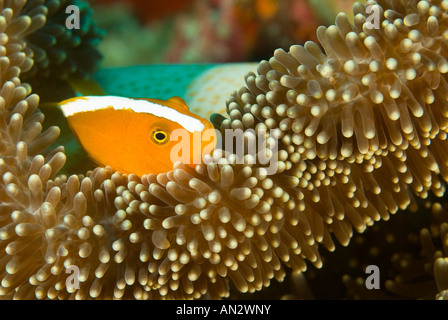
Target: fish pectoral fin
<point>86,86</point>
<point>179,101</point>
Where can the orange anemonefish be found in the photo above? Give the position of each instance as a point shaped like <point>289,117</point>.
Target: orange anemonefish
<point>137,135</point>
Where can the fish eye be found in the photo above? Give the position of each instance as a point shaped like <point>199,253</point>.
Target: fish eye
<point>160,136</point>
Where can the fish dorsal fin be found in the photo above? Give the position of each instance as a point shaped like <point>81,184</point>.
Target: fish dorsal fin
<point>176,103</point>
<point>179,101</point>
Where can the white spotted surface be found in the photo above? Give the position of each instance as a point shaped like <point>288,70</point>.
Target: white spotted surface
<point>205,87</point>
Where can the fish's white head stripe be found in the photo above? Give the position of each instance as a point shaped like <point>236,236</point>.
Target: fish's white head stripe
<point>92,103</point>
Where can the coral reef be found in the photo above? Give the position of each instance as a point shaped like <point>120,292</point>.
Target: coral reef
<point>362,130</point>
<point>205,31</point>
<point>152,10</point>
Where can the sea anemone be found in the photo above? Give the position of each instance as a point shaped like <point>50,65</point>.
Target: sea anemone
<point>362,128</point>
<point>60,54</point>
<point>416,263</point>
<point>357,130</point>
<point>423,274</point>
